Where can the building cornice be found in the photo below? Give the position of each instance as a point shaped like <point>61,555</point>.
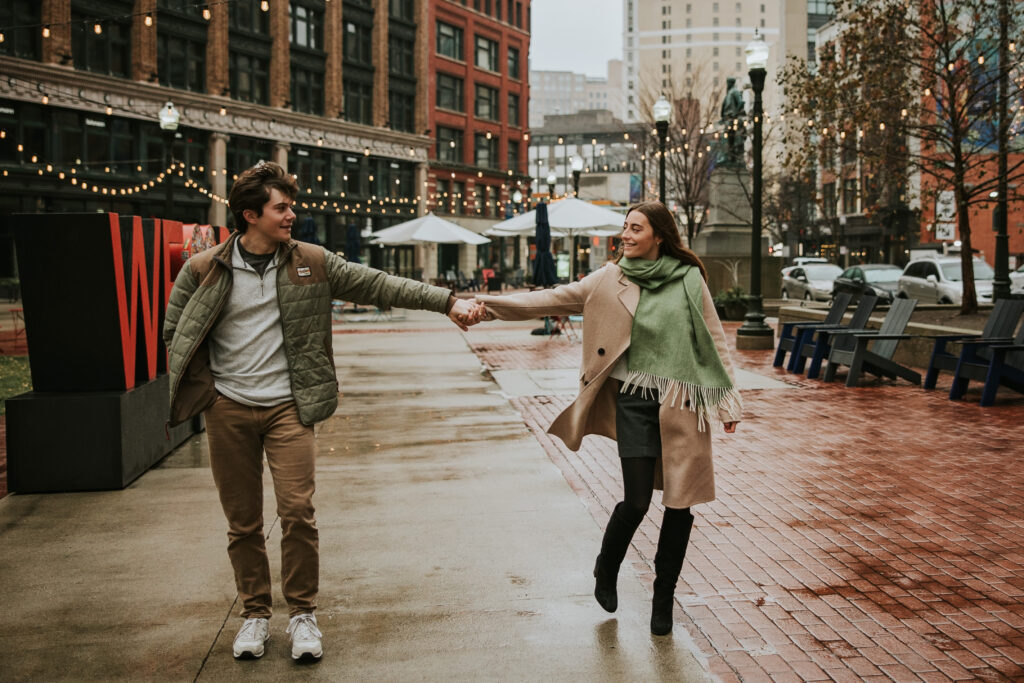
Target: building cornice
<point>29,81</point>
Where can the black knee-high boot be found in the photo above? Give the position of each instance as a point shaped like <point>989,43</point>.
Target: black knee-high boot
<point>672,542</point>
<point>617,535</point>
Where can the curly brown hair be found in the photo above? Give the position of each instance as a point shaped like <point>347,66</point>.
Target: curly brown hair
<point>664,225</point>
<point>252,190</point>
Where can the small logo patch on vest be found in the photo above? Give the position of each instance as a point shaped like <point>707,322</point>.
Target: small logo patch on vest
<point>303,271</point>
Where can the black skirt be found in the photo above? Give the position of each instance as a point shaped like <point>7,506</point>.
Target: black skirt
<point>637,426</point>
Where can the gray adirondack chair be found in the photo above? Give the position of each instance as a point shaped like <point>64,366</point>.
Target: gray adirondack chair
<point>788,335</point>
<point>1003,366</point>
<point>999,328</point>
<point>850,347</point>
<point>814,343</point>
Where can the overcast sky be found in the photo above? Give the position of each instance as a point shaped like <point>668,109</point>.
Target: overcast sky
<point>575,35</point>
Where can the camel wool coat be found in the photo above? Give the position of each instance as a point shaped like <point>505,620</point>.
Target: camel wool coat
<point>608,301</point>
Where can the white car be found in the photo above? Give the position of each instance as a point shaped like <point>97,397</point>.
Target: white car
<point>1017,280</point>
<point>812,282</point>
<point>937,279</point>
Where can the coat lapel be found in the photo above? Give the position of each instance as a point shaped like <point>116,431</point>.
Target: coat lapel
<point>629,294</point>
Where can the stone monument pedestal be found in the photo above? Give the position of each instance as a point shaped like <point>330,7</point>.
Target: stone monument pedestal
<point>726,230</point>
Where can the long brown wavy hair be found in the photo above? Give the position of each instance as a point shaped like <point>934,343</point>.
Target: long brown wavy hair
<point>664,226</point>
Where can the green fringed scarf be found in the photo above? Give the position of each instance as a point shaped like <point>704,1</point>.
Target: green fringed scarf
<point>671,347</point>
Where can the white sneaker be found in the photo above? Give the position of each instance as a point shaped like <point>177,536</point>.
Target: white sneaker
<point>250,638</point>
<point>306,637</point>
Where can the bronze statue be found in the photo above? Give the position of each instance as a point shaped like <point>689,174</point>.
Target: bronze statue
<point>733,114</point>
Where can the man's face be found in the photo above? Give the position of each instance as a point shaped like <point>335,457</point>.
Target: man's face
<point>275,224</point>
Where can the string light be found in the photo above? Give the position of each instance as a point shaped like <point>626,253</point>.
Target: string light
<point>206,13</point>
<point>97,28</point>
<point>148,21</point>
<point>265,6</point>
<point>46,31</point>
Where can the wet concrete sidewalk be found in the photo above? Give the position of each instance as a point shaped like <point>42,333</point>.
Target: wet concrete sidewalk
<point>873,533</point>
<point>452,549</point>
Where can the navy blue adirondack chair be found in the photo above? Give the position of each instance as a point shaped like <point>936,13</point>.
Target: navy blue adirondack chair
<point>1003,367</point>
<point>814,343</point>
<point>999,328</point>
<point>850,347</point>
<point>788,336</point>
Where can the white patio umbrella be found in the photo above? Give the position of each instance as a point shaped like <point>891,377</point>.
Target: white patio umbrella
<point>427,228</point>
<point>569,217</point>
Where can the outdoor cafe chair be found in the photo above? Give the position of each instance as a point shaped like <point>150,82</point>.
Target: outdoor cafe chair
<point>851,348</point>
<point>788,336</point>
<point>999,328</point>
<point>1004,366</point>
<point>814,342</point>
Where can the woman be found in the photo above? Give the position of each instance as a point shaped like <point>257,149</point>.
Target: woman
<point>656,373</point>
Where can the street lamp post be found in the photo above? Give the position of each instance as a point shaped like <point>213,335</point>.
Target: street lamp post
<point>1001,280</point>
<point>754,334</point>
<point>662,112</point>
<point>552,179</point>
<point>577,168</point>
<point>169,118</point>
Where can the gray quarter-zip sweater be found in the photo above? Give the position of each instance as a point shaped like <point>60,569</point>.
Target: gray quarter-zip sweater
<point>247,355</point>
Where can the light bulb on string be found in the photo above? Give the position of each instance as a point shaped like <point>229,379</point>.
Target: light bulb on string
<point>148,21</point>
<point>97,28</point>
<point>46,31</point>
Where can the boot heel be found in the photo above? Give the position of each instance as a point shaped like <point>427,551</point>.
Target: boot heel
<point>605,591</point>
<point>661,614</point>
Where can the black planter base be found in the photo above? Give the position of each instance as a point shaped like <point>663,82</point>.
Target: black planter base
<point>88,441</point>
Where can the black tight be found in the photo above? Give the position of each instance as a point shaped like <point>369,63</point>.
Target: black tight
<point>638,486</point>
<point>638,482</point>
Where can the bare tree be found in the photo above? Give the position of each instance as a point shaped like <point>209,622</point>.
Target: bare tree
<point>689,145</point>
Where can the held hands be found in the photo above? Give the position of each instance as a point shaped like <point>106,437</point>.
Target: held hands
<point>465,313</point>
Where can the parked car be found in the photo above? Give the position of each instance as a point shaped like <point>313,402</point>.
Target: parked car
<point>812,282</point>
<point>937,279</point>
<point>1017,280</point>
<point>804,260</point>
<point>874,279</point>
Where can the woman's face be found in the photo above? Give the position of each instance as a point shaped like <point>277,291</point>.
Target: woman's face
<point>638,238</point>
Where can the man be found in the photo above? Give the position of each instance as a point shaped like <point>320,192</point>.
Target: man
<point>248,333</point>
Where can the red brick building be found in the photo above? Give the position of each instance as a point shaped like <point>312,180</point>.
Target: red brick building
<point>478,93</point>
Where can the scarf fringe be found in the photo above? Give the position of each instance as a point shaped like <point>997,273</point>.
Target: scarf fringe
<point>706,402</point>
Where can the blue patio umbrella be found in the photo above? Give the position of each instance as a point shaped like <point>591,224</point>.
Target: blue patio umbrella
<point>353,243</point>
<point>544,274</point>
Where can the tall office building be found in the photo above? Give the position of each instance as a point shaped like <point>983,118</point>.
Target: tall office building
<point>674,45</point>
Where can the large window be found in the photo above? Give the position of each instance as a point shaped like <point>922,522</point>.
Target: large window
<point>449,144</point>
<point>401,56</point>
<point>182,62</point>
<point>307,29</point>
<point>513,110</point>
<point>449,92</point>
<point>449,40</point>
<point>513,156</point>
<point>358,42</point>
<point>485,151</point>
<point>486,54</point>
<point>850,196</point>
<point>22,42</point>
<point>401,9</point>
<point>402,110</point>
<point>358,101</point>
<point>513,62</point>
<point>307,91</point>
<point>486,103</point>
<point>108,52</point>
<point>247,16</point>
<point>250,78</point>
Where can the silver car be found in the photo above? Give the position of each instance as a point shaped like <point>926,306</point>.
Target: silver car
<point>938,280</point>
<point>811,282</point>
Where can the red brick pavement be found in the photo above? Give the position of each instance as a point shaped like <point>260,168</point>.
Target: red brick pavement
<point>873,533</point>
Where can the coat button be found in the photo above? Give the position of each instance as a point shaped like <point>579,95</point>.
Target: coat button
<point>600,352</point>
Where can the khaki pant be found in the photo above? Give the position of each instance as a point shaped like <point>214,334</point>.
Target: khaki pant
<point>238,435</point>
